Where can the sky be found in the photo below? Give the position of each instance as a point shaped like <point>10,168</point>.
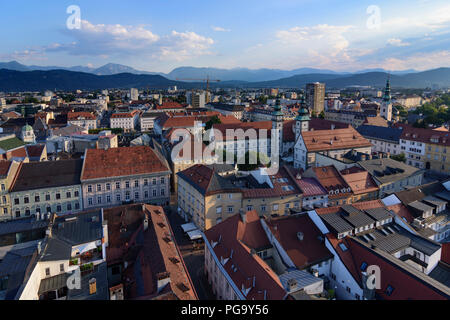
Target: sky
<point>160,35</point>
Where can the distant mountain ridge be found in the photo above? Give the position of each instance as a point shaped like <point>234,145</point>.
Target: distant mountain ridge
<point>236,74</point>
<point>13,81</point>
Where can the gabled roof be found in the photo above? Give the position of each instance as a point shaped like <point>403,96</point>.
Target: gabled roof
<point>119,162</point>
<point>206,181</point>
<point>234,241</point>
<point>380,133</point>
<point>321,140</point>
<point>48,174</point>
<point>306,253</point>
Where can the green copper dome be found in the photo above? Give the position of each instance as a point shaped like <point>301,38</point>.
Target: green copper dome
<point>277,109</point>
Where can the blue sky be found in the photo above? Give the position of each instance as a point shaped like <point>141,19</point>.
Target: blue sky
<point>159,35</point>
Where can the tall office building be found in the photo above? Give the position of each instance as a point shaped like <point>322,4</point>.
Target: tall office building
<point>196,99</point>
<point>315,97</point>
<point>134,94</point>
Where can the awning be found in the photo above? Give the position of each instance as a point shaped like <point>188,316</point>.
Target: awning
<point>195,235</point>
<point>86,247</point>
<point>188,227</point>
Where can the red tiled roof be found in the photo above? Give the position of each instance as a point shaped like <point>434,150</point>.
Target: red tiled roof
<point>77,115</point>
<point>424,135</point>
<point>358,205</point>
<point>169,105</point>
<point>402,211</point>
<point>322,124</point>
<point>238,238</point>
<point>305,253</point>
<point>359,180</point>
<point>118,162</point>
<point>4,167</point>
<point>331,180</point>
<point>277,190</point>
<point>35,150</point>
<point>318,140</point>
<point>124,115</point>
<point>405,285</point>
<point>260,125</point>
<point>153,253</point>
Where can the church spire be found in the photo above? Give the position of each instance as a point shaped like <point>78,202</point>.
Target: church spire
<point>387,90</point>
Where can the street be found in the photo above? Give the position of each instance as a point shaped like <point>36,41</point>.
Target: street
<point>194,259</point>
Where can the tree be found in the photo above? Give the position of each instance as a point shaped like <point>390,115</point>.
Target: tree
<point>214,120</point>
<point>399,157</point>
<point>261,160</point>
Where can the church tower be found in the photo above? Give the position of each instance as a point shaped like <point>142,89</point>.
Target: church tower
<point>277,123</point>
<point>302,119</point>
<point>386,105</point>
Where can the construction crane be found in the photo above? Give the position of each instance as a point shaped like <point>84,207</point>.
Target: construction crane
<point>207,80</point>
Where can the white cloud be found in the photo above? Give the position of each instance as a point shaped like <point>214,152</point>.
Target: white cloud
<point>419,61</point>
<point>397,42</point>
<point>109,40</point>
<point>220,29</point>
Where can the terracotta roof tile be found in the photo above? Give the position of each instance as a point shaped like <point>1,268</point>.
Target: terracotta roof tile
<point>318,140</point>
<point>118,162</point>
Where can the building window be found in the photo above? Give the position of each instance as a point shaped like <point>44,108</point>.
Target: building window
<point>99,187</point>
<point>69,207</point>
<point>77,193</point>
<point>146,194</point>
<point>16,201</point>
<point>90,201</point>
<point>163,192</point>
<point>108,199</point>
<point>275,207</point>
<point>26,200</point>
<point>263,208</point>
<point>89,188</point>
<point>348,290</point>
<point>58,196</point>
<point>219,210</point>
<point>154,182</point>
<point>127,196</point>
<point>230,209</point>
<point>61,267</point>
<point>136,195</point>
<point>127,185</point>
<point>249,208</point>
<point>68,195</point>
<point>357,297</point>
<point>47,272</point>
<point>136,183</point>
<point>118,197</point>
<point>145,182</point>
<point>37,198</point>
<point>389,290</point>
<point>163,180</point>
<point>108,187</point>
<point>27,212</point>
<point>77,206</point>
<point>58,208</point>
<point>154,193</point>
<point>117,185</point>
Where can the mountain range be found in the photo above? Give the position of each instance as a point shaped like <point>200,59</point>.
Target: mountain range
<point>40,80</point>
<point>236,74</point>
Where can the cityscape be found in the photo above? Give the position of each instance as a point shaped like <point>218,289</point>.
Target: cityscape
<point>219,164</point>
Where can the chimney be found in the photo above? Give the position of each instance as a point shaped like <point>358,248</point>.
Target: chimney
<point>92,286</point>
<point>300,236</point>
